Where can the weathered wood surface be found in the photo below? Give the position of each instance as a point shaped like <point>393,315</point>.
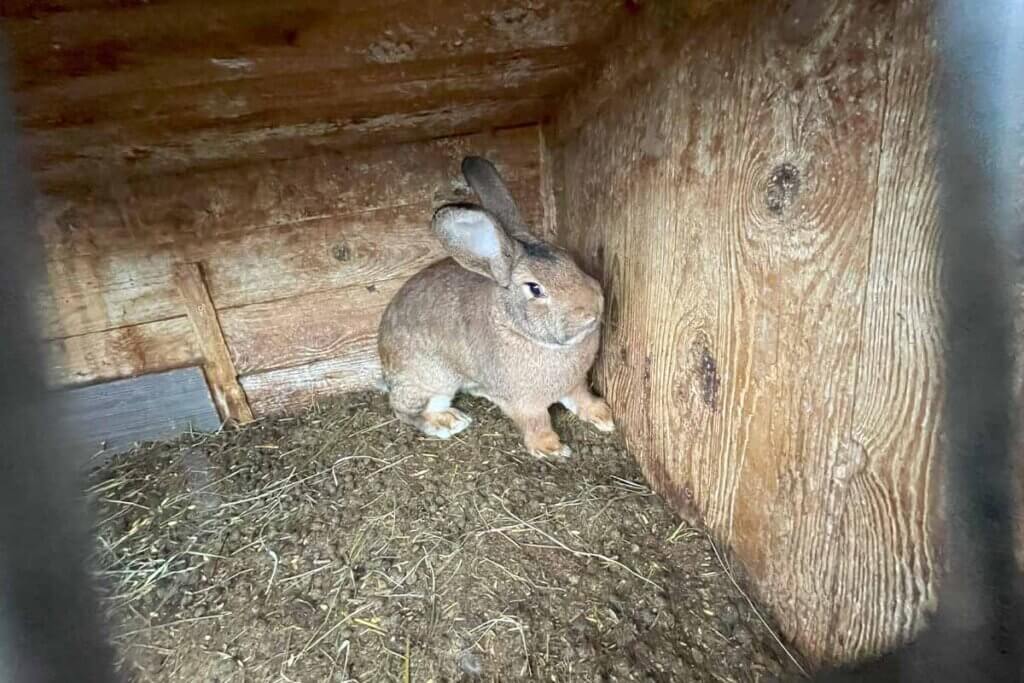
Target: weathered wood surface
<point>97,293</point>
<point>200,206</point>
<point>137,88</point>
<point>306,328</point>
<point>218,367</point>
<point>123,352</point>
<point>263,231</point>
<point>113,416</point>
<point>758,201</point>
<point>357,368</point>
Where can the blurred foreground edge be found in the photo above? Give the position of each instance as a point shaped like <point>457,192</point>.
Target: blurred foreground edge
<point>51,629</point>
<point>975,634</point>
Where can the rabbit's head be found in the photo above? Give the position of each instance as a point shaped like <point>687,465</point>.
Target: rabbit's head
<point>538,288</point>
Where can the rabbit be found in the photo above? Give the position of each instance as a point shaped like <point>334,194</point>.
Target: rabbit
<point>508,317</point>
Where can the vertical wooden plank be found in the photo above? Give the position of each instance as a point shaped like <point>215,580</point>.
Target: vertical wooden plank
<point>217,365</point>
<point>729,198</point>
<point>886,467</point>
<point>546,187</point>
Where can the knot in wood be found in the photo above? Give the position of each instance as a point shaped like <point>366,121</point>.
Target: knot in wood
<point>783,188</point>
<point>341,252</point>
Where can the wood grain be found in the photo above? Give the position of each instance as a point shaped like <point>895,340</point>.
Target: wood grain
<point>294,388</point>
<point>217,365</point>
<point>131,90</point>
<point>726,194</point>
<point>307,328</point>
<point>111,417</point>
<point>184,41</point>
<point>263,233</point>
<point>888,468</point>
<point>123,352</point>
<point>104,163</point>
<point>199,206</point>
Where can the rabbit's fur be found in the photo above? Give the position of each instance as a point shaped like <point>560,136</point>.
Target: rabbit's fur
<point>475,323</point>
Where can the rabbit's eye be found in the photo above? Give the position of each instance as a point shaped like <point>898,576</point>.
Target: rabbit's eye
<point>536,291</point>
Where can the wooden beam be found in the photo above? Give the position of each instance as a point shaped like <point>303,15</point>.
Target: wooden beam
<point>218,368</point>
<point>110,158</point>
<point>113,50</point>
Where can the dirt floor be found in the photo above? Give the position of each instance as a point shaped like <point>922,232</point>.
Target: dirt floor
<point>341,545</point>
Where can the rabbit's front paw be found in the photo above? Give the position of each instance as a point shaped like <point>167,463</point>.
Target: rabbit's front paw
<point>547,445</point>
<point>446,423</point>
<point>599,414</point>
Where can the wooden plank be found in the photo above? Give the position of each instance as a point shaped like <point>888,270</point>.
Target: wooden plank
<point>306,328</point>
<point>198,206</point>
<point>264,336</point>
<point>888,466</point>
<point>294,388</point>
<point>145,116</point>
<point>126,279</point>
<point>549,186</point>
<point>113,162</point>
<point>727,201</point>
<point>174,86</point>
<point>123,352</point>
<point>217,366</point>
<point>113,416</point>
<point>97,293</point>
<point>113,51</point>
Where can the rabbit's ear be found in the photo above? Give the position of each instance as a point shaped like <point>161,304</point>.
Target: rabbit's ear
<point>485,180</point>
<point>474,239</point>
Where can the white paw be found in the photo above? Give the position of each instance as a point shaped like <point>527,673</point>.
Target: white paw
<point>562,451</point>
<point>446,424</point>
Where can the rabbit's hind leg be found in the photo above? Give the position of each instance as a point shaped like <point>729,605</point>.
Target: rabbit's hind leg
<point>431,412</point>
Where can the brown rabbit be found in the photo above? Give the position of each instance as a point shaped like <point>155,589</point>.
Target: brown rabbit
<point>508,317</point>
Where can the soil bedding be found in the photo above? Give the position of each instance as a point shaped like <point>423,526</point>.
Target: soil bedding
<point>340,545</point>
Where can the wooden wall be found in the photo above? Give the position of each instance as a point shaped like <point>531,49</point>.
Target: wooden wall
<point>111,89</point>
<point>755,185</point>
<point>299,258</point>
<point>244,183</point>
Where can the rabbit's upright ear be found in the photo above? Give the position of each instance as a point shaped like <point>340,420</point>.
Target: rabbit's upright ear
<point>474,239</point>
<point>485,180</point>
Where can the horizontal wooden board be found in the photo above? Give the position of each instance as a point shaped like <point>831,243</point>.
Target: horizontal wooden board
<point>95,165</point>
<point>111,417</point>
<point>290,389</point>
<point>197,206</point>
<point>263,336</point>
<point>147,115</point>
<point>171,43</point>
<point>96,293</point>
<point>122,352</point>
<point>126,280</point>
<point>175,85</point>
<point>306,328</point>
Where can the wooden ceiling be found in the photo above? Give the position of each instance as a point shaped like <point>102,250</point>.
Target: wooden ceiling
<point>119,88</point>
